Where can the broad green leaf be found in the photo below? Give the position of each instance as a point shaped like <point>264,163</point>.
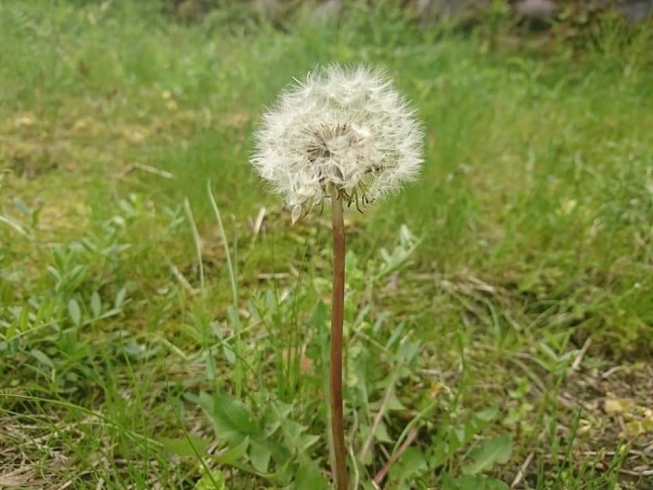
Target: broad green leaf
<point>319,316</point>
<point>271,419</point>
<point>469,482</point>
<point>23,320</point>
<point>487,415</point>
<point>74,312</point>
<point>448,483</point>
<point>381,434</point>
<point>411,464</point>
<point>120,298</point>
<point>407,351</point>
<point>281,454</point>
<point>292,432</point>
<point>229,354</point>
<point>308,441</point>
<point>192,332</point>
<point>211,481</point>
<point>233,454</point>
<point>310,477</point>
<point>460,434</point>
<point>488,453</point>
<point>233,315</point>
<point>494,484</point>
<point>185,446</point>
<point>96,305</point>
<point>109,314</point>
<point>233,419</point>
<point>41,357</point>
<point>393,403</point>
<point>76,277</point>
<point>260,457</point>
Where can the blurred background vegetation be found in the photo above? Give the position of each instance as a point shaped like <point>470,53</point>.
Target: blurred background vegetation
<point>568,15</point>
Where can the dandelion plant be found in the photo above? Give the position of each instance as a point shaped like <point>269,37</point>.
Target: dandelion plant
<point>340,136</point>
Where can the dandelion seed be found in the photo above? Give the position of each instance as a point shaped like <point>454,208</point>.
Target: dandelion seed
<point>338,133</point>
<point>344,137</point>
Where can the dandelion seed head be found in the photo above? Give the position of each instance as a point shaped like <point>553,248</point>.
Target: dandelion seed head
<point>339,132</point>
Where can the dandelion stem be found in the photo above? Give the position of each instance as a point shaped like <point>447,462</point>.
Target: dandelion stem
<point>337,318</point>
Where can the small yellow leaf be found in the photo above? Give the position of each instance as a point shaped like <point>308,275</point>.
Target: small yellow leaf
<point>618,405</point>
<point>134,135</point>
<point>568,206</point>
<point>647,425</point>
<point>81,124</point>
<point>25,120</point>
<point>435,390</point>
<point>635,428</point>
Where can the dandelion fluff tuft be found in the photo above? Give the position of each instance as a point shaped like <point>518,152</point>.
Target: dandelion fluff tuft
<point>339,132</point>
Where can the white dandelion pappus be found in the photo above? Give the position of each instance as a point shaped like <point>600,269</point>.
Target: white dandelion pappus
<point>339,132</point>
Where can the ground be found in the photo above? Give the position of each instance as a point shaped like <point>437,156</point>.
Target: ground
<point>499,323</point>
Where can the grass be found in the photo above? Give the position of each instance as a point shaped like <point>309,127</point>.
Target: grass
<point>498,311</point>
